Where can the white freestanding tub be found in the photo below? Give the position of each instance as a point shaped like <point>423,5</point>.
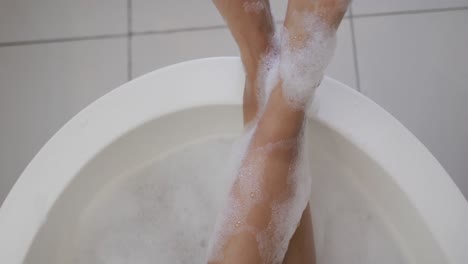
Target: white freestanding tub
<point>352,140</point>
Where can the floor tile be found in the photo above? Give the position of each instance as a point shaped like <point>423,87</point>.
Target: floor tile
<point>150,52</point>
<point>342,66</point>
<point>164,15</point>
<point>43,86</point>
<point>26,20</point>
<point>415,66</point>
<point>378,6</point>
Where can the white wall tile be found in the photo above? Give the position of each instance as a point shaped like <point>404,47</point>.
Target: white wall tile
<point>383,6</point>
<point>416,66</point>
<point>150,52</point>
<point>43,86</point>
<point>23,20</point>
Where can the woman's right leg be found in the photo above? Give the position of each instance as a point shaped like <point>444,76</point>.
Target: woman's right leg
<point>251,25</point>
<point>332,12</point>
<point>301,247</point>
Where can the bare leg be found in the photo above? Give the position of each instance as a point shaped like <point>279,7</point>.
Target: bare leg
<point>301,247</point>
<point>269,180</point>
<point>279,123</point>
<point>253,30</point>
<point>252,27</point>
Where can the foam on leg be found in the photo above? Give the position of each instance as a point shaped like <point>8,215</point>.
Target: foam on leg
<point>253,6</point>
<point>304,57</point>
<point>266,204</point>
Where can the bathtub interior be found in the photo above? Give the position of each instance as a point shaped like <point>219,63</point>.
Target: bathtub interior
<point>360,214</point>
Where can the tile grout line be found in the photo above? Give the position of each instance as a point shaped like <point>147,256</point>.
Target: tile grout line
<point>178,30</point>
<point>129,40</point>
<point>355,55</point>
<point>412,12</point>
<point>60,40</point>
<point>130,33</point>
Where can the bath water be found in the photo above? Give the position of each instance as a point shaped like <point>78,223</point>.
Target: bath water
<point>165,212</point>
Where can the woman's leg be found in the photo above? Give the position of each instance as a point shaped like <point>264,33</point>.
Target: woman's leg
<point>274,146</point>
<point>301,247</point>
<point>251,24</point>
<point>252,27</point>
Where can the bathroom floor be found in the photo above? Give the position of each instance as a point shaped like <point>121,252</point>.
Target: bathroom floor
<point>54,61</point>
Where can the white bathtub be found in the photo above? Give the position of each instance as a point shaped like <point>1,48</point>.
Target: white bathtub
<point>190,102</point>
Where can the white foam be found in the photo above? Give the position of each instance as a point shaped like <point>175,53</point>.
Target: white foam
<point>254,6</point>
<point>286,214</point>
<point>286,206</point>
<point>297,59</point>
<point>268,74</point>
<point>304,57</point>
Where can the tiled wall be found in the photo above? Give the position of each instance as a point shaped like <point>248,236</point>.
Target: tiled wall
<point>57,56</point>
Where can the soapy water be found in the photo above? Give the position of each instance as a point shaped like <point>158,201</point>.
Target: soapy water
<point>166,211</point>
<point>162,213</point>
